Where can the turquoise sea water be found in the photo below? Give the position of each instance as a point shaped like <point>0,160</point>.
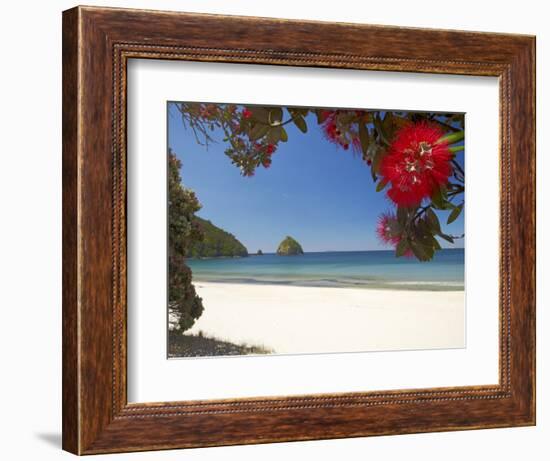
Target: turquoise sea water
<point>366,269</point>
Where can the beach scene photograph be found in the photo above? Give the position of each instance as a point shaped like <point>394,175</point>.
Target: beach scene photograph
<point>309,230</point>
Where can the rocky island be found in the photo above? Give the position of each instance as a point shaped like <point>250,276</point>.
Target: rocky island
<point>289,247</point>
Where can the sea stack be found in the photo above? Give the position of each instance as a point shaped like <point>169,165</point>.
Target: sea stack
<point>289,247</point>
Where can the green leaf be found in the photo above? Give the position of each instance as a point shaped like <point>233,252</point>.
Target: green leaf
<point>275,115</point>
<point>298,111</point>
<point>260,114</point>
<point>437,198</point>
<point>277,134</point>
<point>387,125</point>
<point>423,228</point>
<point>300,123</point>
<point>380,129</point>
<point>319,114</point>
<point>422,252</point>
<point>274,135</point>
<point>258,131</point>
<point>377,154</point>
<point>429,240</point>
<point>364,137</point>
<point>433,221</point>
<point>451,138</point>
<point>402,215</point>
<point>455,213</point>
<point>401,248</point>
<point>381,185</point>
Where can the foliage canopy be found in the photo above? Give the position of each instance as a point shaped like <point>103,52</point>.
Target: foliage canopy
<point>183,231</point>
<point>411,156</point>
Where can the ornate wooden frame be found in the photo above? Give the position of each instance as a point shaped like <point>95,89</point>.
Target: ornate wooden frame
<point>97,43</point>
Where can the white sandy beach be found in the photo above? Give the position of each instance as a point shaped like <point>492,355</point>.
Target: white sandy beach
<point>292,320</point>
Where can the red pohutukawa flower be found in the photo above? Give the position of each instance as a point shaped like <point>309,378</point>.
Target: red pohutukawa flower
<point>416,164</point>
<point>343,133</point>
<point>331,130</point>
<point>388,231</point>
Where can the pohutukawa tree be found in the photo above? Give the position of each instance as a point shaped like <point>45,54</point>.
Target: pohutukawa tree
<point>411,157</point>
<point>184,305</point>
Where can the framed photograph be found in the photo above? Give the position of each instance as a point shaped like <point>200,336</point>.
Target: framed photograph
<point>281,230</point>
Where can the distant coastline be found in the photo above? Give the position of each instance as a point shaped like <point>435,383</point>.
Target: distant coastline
<point>214,242</point>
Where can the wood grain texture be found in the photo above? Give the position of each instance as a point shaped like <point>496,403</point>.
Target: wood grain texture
<point>97,43</point>
<point>70,384</point>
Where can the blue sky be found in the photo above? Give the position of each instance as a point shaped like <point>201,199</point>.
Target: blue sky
<point>314,191</point>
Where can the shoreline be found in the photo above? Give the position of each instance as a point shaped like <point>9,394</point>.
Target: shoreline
<point>436,286</point>
<point>296,320</point>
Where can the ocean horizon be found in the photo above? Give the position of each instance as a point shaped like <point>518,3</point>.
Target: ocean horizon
<point>378,269</point>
